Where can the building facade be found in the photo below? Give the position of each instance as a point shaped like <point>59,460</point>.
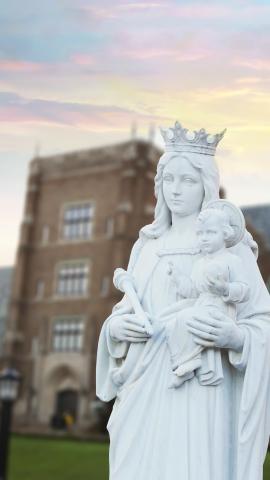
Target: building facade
<point>83,211</point>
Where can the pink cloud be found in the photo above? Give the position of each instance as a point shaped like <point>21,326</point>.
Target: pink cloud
<point>202,10</point>
<point>47,68</point>
<point>249,80</point>
<point>140,6</point>
<point>14,109</point>
<point>111,11</point>
<point>20,66</point>
<point>97,13</point>
<point>108,10</point>
<point>83,59</point>
<point>255,64</point>
<point>174,54</point>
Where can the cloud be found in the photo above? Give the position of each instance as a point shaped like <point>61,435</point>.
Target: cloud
<point>249,80</point>
<point>152,53</point>
<point>109,11</point>
<point>254,64</point>
<point>203,11</point>
<point>141,6</point>
<point>83,59</point>
<point>20,66</point>
<point>15,108</point>
<point>193,10</point>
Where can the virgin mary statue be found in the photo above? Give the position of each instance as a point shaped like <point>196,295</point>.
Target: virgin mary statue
<point>217,429</point>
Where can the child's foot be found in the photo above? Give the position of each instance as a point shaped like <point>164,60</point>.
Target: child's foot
<point>176,381</point>
<point>188,367</point>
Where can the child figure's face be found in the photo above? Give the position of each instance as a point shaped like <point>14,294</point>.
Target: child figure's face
<point>210,235</point>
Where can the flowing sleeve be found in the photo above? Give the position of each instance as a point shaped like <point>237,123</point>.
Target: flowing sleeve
<point>109,352</point>
<point>253,381</point>
<point>238,287</point>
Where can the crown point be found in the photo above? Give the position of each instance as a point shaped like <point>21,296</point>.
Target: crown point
<point>210,138</point>
<point>170,134</point>
<point>190,135</point>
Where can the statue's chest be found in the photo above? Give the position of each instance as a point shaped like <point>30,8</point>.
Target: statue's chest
<point>160,291</point>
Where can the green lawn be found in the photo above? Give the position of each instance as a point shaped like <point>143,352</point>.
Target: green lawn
<point>46,459</point>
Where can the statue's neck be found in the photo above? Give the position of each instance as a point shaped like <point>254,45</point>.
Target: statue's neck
<point>183,231</point>
<point>181,224</point>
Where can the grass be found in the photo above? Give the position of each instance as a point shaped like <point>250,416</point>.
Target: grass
<point>266,475</point>
<point>46,459</point>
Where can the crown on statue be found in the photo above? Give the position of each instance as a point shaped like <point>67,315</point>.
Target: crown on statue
<point>179,139</point>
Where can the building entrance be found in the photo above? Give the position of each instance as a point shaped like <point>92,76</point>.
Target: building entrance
<point>67,402</point>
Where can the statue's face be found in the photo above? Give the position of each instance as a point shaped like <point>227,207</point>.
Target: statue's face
<point>182,187</point>
<point>210,235</point>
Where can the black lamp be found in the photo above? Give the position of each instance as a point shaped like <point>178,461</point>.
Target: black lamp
<point>9,386</point>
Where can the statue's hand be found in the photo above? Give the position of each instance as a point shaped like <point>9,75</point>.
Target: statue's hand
<point>128,327</point>
<point>217,330</point>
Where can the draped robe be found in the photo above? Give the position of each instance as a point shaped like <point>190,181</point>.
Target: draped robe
<point>206,432</point>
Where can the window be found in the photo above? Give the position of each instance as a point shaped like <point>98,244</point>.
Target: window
<point>34,347</point>
<point>68,334</point>
<point>109,227</point>
<point>40,289</point>
<point>78,221</point>
<point>105,286</point>
<point>45,234</point>
<point>72,279</point>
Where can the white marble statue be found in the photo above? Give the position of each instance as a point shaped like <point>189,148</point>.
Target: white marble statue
<point>216,425</point>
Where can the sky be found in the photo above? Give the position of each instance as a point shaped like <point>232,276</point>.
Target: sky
<point>76,74</point>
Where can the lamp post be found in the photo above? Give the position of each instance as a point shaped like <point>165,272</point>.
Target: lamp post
<point>9,384</point>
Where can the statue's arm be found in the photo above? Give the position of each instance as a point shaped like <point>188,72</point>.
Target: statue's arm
<point>134,254</point>
<point>238,287</point>
<point>253,315</point>
<point>110,352</point>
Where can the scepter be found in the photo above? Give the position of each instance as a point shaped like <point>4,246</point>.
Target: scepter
<point>124,282</point>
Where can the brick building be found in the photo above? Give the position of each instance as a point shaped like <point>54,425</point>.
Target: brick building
<point>82,214</point>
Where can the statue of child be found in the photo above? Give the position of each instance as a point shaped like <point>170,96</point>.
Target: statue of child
<point>217,281</point>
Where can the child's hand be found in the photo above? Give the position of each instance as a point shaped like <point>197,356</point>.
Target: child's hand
<point>181,281</point>
<point>184,287</point>
<point>218,286</point>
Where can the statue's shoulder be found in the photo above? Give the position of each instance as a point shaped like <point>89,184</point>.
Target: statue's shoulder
<point>247,249</point>
<point>135,252</point>
<point>142,243</point>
